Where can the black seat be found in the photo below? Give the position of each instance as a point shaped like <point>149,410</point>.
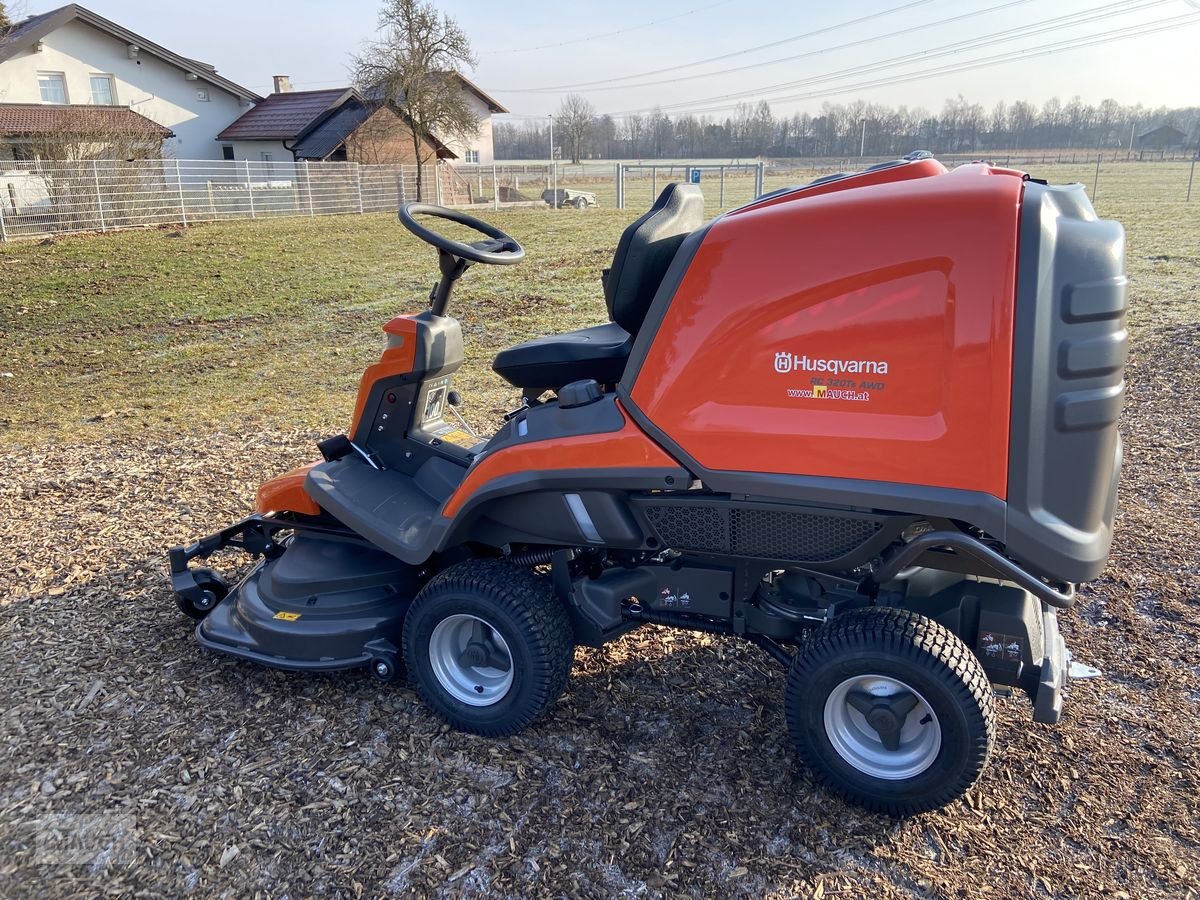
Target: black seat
<point>643,256</point>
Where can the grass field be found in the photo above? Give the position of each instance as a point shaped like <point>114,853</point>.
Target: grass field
<point>151,379</point>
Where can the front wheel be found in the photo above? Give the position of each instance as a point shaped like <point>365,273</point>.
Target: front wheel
<point>891,710</point>
<point>488,646</point>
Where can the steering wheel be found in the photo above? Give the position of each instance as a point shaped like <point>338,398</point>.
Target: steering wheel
<point>500,250</point>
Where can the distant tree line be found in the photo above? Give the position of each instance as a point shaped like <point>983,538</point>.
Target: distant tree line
<point>837,130</point>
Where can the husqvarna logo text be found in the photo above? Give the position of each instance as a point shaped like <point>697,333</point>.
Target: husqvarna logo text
<point>791,362</point>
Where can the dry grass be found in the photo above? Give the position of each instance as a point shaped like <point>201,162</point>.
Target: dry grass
<point>158,377</point>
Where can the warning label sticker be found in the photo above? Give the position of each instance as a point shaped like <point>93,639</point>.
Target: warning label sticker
<point>459,438</point>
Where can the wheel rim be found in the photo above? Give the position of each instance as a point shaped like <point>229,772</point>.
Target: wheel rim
<point>471,660</point>
<point>882,727</point>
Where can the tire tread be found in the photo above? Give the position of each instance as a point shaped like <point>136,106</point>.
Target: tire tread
<point>531,601</point>
<point>923,642</point>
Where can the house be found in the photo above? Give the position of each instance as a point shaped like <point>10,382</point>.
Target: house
<point>336,125</point>
<point>477,149</point>
<point>1161,137</point>
<point>77,66</point>
<point>341,125</point>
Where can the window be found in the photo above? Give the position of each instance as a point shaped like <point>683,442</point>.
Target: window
<point>202,95</point>
<point>103,91</point>
<point>226,151</point>
<point>472,158</point>
<point>266,157</point>
<point>53,86</point>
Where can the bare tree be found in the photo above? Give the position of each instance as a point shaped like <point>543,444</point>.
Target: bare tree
<point>415,65</point>
<point>5,21</point>
<point>576,116</point>
<point>634,126</point>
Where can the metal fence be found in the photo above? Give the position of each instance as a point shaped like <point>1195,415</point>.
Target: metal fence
<point>39,198</point>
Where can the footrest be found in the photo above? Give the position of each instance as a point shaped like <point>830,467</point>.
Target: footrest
<point>387,508</point>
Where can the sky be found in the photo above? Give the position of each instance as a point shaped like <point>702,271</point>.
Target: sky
<point>531,52</point>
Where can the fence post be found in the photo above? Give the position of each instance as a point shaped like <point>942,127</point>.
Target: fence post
<point>358,184</point>
<point>495,189</point>
<point>653,184</point>
<point>760,179</point>
<point>1096,180</point>
<point>250,190</point>
<point>1191,178</point>
<point>3,229</point>
<point>437,181</point>
<point>620,187</point>
<point>182,203</point>
<point>308,187</point>
<point>99,197</point>
<point>721,203</point>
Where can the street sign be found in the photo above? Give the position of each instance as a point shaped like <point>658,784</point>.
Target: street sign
<point>695,176</point>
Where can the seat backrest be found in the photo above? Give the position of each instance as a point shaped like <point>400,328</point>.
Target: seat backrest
<point>645,252</point>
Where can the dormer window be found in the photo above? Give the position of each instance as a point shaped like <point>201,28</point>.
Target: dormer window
<point>53,87</point>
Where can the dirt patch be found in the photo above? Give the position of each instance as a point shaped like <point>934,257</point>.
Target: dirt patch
<point>665,769</point>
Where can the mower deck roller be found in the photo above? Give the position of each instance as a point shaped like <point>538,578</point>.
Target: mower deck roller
<point>868,424</point>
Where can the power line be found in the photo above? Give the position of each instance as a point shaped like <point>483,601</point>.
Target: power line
<point>700,62</point>
<point>1009,56</point>
<point>807,54</point>
<point>1122,7</point>
<point>596,37</point>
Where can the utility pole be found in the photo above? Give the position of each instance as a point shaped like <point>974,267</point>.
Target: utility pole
<point>862,148</point>
<point>553,167</point>
<point>1132,129</point>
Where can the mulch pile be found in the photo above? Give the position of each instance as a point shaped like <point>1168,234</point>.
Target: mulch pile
<point>133,761</point>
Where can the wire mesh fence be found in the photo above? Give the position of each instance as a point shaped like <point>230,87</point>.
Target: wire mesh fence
<point>49,197</point>
<point>54,197</point>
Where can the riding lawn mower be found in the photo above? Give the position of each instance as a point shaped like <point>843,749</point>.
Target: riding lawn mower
<point>868,424</point>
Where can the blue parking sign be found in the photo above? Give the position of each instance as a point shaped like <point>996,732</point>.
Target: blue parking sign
<point>695,176</point>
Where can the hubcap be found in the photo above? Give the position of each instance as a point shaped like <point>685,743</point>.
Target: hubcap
<point>882,727</point>
<point>471,660</point>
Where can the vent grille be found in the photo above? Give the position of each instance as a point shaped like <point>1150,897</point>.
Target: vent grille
<point>763,533</point>
<point>691,527</point>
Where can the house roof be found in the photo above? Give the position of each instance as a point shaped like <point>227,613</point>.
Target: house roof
<point>475,89</point>
<point>1160,128</point>
<point>41,118</point>
<point>285,117</point>
<point>321,141</point>
<point>29,31</point>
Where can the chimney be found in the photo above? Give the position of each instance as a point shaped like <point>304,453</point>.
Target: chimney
<point>283,84</point>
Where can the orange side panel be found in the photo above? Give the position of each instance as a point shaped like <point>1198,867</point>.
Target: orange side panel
<point>924,168</point>
<point>396,360</point>
<point>286,494</point>
<point>861,334</point>
<point>628,448</point>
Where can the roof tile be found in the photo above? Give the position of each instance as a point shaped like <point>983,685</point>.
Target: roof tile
<point>40,118</point>
<point>282,117</point>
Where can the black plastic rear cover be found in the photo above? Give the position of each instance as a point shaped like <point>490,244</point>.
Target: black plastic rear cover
<point>1069,351</point>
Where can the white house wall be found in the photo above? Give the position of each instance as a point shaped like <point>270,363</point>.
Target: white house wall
<point>481,142</point>
<point>148,85</point>
<point>254,150</point>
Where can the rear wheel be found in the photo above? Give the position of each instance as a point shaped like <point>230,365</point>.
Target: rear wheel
<point>488,646</point>
<point>891,710</point>
<point>580,203</point>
